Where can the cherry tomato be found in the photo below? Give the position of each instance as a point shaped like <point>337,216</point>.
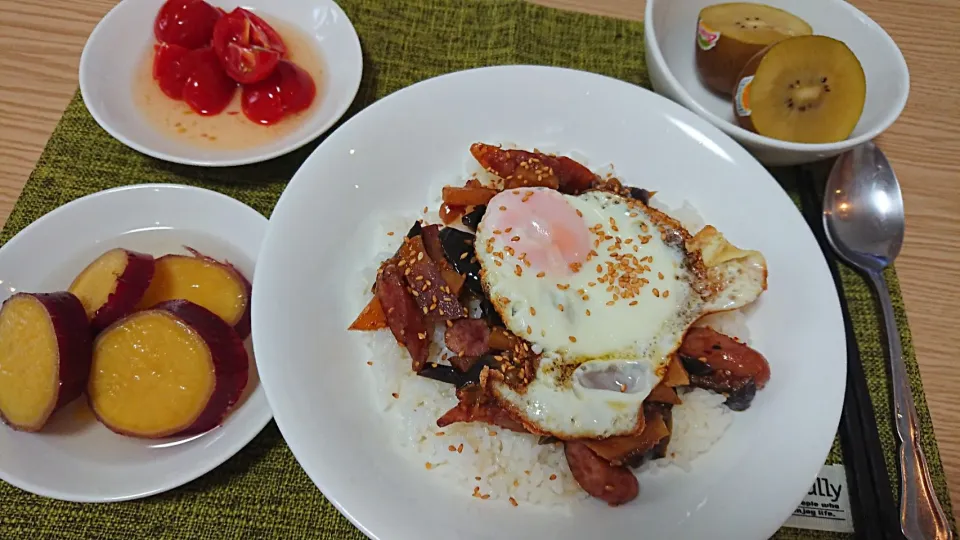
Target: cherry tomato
<point>168,70</point>
<point>247,46</point>
<point>208,90</point>
<point>288,90</point>
<point>297,88</point>
<point>188,23</point>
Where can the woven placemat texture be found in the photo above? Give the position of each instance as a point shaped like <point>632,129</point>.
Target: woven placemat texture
<point>262,492</point>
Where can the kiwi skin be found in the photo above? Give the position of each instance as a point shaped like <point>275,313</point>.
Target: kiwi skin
<point>748,70</point>
<point>719,66</point>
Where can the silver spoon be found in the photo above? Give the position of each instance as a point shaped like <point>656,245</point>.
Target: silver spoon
<point>864,221</point>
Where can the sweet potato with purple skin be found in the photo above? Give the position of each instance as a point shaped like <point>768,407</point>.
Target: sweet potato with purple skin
<point>112,285</point>
<point>44,355</point>
<point>176,369</point>
<point>205,281</point>
<point>404,317</point>
<point>520,168</point>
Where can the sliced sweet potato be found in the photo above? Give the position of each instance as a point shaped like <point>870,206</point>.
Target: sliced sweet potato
<point>175,369</point>
<point>207,282</point>
<point>44,356</point>
<point>467,196</point>
<point>112,285</point>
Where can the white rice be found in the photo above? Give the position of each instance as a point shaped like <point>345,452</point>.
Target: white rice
<point>485,461</point>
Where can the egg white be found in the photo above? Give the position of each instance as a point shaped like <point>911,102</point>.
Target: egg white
<point>596,370</point>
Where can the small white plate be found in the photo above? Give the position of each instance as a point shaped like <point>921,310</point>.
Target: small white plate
<point>119,44</point>
<point>75,458</point>
<point>322,235</point>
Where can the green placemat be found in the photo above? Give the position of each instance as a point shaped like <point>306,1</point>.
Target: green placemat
<point>262,492</point>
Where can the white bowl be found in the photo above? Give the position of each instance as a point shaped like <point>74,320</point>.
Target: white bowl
<point>320,256</point>
<point>669,30</point>
<point>75,458</point>
<point>117,47</point>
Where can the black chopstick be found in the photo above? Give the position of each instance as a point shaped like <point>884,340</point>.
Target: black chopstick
<point>875,514</point>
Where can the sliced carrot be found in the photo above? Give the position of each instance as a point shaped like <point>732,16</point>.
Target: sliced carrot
<point>371,318</point>
<point>467,196</point>
<point>502,340</point>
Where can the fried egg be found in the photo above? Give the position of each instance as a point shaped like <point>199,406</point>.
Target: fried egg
<point>605,288</point>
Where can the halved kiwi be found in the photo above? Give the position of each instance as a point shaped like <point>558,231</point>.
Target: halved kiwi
<point>729,35</point>
<point>807,89</point>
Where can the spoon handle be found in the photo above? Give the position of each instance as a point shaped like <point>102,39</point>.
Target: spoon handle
<point>921,516</point>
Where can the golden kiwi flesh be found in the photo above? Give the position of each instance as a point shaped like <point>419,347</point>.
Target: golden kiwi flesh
<point>808,89</point>
<point>729,35</point>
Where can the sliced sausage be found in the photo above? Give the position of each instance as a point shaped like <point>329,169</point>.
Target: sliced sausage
<point>403,315</point>
<point>615,485</point>
<point>468,337</point>
<point>520,168</point>
<point>431,292</point>
<point>723,353</point>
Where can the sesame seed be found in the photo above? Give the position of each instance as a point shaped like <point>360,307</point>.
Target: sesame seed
<point>529,331</point>
<point>513,501</point>
<point>452,448</point>
<point>586,297</point>
<point>390,233</point>
<point>608,487</point>
<point>560,307</point>
<point>395,395</point>
<point>497,231</point>
<point>420,256</point>
<point>503,208</point>
<point>666,294</point>
<point>440,434</point>
<point>369,363</point>
<point>484,496</point>
<point>623,388</point>
<point>463,255</point>
<point>426,209</point>
<point>518,270</point>
<point>478,478</point>
<point>611,302</point>
<point>660,275</point>
<point>553,477</point>
<point>588,313</point>
<point>422,335</point>
<point>526,473</point>
<point>579,213</point>
<point>573,339</point>
<point>541,274</point>
<point>492,433</point>
<point>460,451</point>
<point>656,292</point>
<point>498,263</point>
<point>533,311</point>
<point>515,239</point>
<point>633,303</point>
<point>563,287</point>
<point>428,465</point>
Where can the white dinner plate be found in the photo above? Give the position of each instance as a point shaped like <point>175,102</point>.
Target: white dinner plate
<point>75,458</point>
<point>393,158</point>
<point>122,41</point>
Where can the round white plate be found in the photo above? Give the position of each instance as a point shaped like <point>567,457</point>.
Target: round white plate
<point>319,239</point>
<point>75,458</point>
<point>118,46</point>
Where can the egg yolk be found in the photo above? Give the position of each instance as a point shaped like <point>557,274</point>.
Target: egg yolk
<point>538,226</point>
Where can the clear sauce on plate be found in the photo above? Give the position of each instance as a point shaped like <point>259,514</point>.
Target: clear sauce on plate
<point>229,130</point>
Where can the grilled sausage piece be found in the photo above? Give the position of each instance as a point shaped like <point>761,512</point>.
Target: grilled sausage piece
<point>615,485</point>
